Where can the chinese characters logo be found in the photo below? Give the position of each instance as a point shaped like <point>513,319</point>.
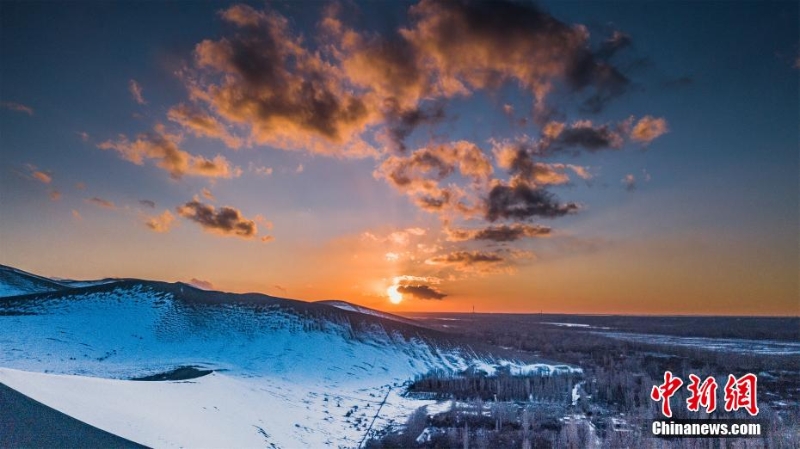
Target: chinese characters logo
<point>739,393</point>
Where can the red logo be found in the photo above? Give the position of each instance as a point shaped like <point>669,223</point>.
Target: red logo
<point>704,394</point>
<point>665,391</point>
<point>739,393</point>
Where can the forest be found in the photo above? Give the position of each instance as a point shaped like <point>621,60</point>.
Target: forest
<point>607,405</point>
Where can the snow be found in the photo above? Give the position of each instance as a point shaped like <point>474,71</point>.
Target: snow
<point>426,435</point>
<point>568,324</point>
<point>343,305</point>
<point>576,393</point>
<point>79,284</point>
<point>130,331</point>
<point>736,345</point>
<point>217,410</point>
<point>576,325</point>
<point>280,379</point>
<point>15,282</point>
<point>276,373</point>
<point>13,290</point>
<point>440,407</point>
<point>542,369</point>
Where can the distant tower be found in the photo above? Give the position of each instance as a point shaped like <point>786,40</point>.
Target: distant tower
<point>473,308</point>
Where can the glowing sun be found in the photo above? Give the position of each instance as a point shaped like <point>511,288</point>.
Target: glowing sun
<point>395,297</point>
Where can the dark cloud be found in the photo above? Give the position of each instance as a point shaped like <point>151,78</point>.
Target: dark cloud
<point>519,159</point>
<point>520,156</point>
<point>474,45</point>
<point>421,291</point>
<point>285,93</point>
<point>609,83</point>
<point>401,123</point>
<point>148,203</point>
<point>589,137</point>
<point>419,174</point>
<point>502,233</point>
<point>100,202</point>
<point>616,42</point>
<point>223,221</point>
<point>479,262</point>
<point>467,258</point>
<point>521,202</point>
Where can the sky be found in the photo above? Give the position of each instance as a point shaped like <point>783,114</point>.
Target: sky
<point>557,157</point>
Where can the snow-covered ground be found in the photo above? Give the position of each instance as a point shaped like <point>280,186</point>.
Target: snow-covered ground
<point>282,378</point>
<point>522,369</point>
<point>218,410</point>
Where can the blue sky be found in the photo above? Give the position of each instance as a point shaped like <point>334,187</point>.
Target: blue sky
<point>700,215</point>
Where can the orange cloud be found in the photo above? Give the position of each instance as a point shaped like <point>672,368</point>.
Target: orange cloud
<point>42,177</point>
<point>419,175</point>
<point>163,148</point>
<point>202,124</point>
<point>648,129</point>
<point>160,223</point>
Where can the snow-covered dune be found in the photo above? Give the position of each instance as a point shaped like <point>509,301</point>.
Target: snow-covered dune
<point>287,373</point>
<point>17,282</point>
<point>134,328</point>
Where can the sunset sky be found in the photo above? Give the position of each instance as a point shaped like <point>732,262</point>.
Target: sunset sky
<point>577,157</point>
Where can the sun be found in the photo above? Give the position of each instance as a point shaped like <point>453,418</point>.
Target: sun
<point>395,297</point>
